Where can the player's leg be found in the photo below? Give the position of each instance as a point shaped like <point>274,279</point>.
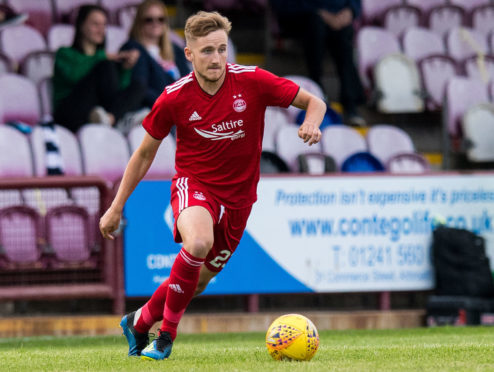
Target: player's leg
<point>137,324</point>
<point>195,225</point>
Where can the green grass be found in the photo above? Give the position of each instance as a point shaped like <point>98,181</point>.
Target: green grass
<point>433,349</point>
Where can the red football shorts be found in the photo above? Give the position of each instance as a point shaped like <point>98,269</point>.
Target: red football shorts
<point>229,224</point>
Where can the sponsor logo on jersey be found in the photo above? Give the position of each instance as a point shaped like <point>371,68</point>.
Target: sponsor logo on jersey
<point>194,116</point>
<point>224,130</point>
<point>220,136</point>
<point>198,195</point>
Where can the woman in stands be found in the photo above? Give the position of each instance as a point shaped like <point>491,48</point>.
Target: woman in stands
<point>90,85</point>
<point>160,62</point>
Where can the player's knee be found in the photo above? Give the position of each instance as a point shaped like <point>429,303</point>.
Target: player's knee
<point>198,247</point>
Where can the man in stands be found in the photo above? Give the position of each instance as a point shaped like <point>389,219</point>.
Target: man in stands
<point>218,111</point>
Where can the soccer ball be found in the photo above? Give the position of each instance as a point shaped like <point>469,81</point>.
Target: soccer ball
<point>292,336</point>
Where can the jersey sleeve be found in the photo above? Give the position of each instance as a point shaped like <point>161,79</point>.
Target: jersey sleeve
<point>276,91</point>
<point>159,121</point>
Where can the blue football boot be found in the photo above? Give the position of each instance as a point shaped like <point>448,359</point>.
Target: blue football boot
<point>137,341</point>
<point>159,349</point>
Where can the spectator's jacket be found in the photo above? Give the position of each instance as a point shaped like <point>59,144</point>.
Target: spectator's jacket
<point>71,66</point>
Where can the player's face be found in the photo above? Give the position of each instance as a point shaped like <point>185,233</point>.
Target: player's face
<point>208,55</point>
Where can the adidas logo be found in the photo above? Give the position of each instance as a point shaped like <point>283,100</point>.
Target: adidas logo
<point>195,116</point>
<point>175,288</point>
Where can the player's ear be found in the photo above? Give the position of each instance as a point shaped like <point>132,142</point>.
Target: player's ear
<point>188,54</point>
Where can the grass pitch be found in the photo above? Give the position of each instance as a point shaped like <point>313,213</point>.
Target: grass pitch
<point>433,349</point>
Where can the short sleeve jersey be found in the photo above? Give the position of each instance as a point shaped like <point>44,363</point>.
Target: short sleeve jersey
<point>219,137</point>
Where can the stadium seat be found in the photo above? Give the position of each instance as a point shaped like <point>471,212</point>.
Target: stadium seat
<point>5,64</point>
<point>419,43</point>
<point>340,141</point>
<point>482,69</point>
<point>289,146</point>
<point>20,233</point>
<point>115,37</point>
<point>398,86</point>
<point>69,151</point>
<point>101,142</point>
<point>464,42</point>
<point>19,99</point>
<point>408,163</point>
<point>18,41</point>
<point>272,163</point>
<point>373,43</point>
<point>65,10</point>
<point>164,162</point>
<point>426,5</point>
<point>478,130</point>
<point>274,119</point>
<point>16,160</point>
<point>385,141</point>
<point>443,18</point>
<point>399,18</point>
<point>461,94</point>
<point>316,163</point>
<point>372,10</point>
<point>483,19</point>
<point>40,12</point>
<point>309,85</point>
<point>60,35</point>
<point>67,236</point>
<point>38,66</point>
<point>469,5</point>
<point>436,71</point>
<point>362,162</point>
<point>125,16</point>
<point>113,5</point>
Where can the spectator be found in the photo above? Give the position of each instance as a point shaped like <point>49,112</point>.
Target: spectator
<point>8,17</point>
<point>321,25</point>
<point>160,62</point>
<point>90,85</point>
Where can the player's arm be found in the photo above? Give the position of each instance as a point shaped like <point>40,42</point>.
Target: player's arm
<point>136,169</point>
<point>316,108</point>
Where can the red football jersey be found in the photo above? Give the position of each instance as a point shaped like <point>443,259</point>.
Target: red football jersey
<point>219,137</point>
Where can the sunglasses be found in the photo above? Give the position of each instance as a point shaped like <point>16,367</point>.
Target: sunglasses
<point>154,19</point>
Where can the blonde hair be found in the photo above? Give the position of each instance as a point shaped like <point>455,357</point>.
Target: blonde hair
<point>164,44</point>
<point>203,23</point>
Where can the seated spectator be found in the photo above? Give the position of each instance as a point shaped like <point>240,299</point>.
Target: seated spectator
<point>90,85</point>
<point>8,17</point>
<point>160,62</point>
<point>327,25</point>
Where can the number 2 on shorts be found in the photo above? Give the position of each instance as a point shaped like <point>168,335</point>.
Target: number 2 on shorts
<point>219,261</point>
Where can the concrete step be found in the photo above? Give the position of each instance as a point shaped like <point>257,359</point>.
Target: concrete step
<point>208,323</point>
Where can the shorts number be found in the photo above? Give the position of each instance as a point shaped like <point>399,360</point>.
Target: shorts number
<point>219,261</point>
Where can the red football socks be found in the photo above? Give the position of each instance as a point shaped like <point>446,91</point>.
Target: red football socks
<point>152,311</point>
<point>182,285</point>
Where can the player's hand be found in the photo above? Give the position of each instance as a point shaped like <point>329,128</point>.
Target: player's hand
<point>128,58</point>
<point>309,133</point>
<point>109,223</point>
